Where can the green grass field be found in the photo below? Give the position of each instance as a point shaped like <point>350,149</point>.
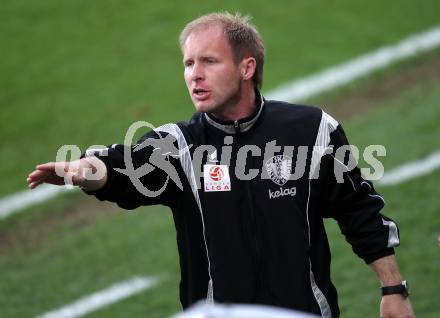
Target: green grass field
<point>74,72</point>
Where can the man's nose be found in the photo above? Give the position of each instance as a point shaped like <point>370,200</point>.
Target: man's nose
<point>197,72</point>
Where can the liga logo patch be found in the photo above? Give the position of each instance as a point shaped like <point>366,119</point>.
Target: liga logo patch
<point>216,178</point>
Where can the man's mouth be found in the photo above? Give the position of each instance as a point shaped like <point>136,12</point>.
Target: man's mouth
<point>200,93</point>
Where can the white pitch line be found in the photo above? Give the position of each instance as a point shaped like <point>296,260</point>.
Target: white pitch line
<point>411,170</point>
<point>344,73</point>
<point>102,298</point>
<point>20,200</point>
<point>294,91</point>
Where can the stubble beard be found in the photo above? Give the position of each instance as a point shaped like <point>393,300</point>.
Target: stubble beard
<point>228,104</point>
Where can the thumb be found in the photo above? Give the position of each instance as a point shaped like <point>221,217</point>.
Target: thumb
<point>73,178</point>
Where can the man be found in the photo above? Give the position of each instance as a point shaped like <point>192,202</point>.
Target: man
<point>250,232</point>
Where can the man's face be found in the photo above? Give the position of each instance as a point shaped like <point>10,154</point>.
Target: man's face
<point>211,74</point>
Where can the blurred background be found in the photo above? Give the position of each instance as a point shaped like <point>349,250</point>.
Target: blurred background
<point>80,72</point>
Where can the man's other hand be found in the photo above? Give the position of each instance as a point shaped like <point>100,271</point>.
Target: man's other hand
<point>395,306</point>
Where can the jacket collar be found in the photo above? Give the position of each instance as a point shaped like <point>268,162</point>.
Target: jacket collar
<point>241,125</point>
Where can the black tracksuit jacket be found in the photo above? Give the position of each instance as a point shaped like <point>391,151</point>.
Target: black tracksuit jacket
<point>264,240</point>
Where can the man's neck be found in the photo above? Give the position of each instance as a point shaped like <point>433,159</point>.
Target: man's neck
<point>242,109</point>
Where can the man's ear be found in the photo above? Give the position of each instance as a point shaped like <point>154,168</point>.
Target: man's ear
<point>247,68</point>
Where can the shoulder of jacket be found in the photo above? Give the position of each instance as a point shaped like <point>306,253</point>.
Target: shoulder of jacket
<point>293,111</point>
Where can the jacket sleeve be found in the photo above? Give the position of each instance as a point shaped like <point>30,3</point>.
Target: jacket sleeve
<point>140,174</point>
<point>353,202</point>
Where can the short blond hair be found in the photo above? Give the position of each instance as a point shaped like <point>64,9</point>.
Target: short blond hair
<point>241,35</point>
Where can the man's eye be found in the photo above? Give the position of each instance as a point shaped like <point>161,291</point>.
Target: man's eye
<point>188,64</point>
<point>209,61</point>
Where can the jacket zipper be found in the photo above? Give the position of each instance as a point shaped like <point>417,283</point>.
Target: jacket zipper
<point>255,230</point>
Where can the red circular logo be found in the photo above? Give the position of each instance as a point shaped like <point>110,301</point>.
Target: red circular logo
<point>216,173</point>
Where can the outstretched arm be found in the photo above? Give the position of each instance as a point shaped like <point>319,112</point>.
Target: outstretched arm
<point>89,173</point>
<point>388,273</point>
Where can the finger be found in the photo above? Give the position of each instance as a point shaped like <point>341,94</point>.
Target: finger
<point>33,185</point>
<point>69,178</point>
<point>49,166</point>
<point>39,179</point>
<point>37,174</point>
<point>42,176</point>
<point>58,168</point>
<point>78,179</point>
